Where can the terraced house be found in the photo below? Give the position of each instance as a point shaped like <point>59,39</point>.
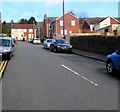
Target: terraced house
<point>20,31</point>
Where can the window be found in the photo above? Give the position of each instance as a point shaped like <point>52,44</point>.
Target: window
<point>65,32</point>
<point>25,30</point>
<point>72,23</point>
<point>30,30</point>
<point>21,30</point>
<point>61,22</point>
<point>61,32</point>
<point>50,27</point>
<point>15,30</point>
<point>70,32</point>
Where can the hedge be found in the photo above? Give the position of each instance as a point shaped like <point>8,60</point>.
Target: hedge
<point>98,44</point>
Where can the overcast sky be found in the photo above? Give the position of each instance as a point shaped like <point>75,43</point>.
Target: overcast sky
<point>12,10</point>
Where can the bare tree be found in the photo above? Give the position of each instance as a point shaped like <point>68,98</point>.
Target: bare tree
<point>82,14</point>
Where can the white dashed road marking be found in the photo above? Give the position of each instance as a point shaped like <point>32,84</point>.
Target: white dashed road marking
<point>79,75</point>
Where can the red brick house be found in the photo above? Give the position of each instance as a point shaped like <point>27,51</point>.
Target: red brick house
<point>20,31</point>
<point>46,24</point>
<point>71,25</point>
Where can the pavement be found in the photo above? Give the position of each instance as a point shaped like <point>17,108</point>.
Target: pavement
<point>91,55</point>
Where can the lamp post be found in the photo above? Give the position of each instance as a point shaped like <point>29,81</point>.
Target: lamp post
<point>63,21</point>
<point>0,24</point>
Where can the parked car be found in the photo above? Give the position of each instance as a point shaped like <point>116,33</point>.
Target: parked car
<point>113,62</point>
<point>6,47</point>
<point>30,40</point>
<point>60,45</point>
<point>36,41</point>
<point>46,43</point>
<point>14,41</point>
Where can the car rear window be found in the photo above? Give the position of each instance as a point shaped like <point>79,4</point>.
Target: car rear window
<point>61,41</point>
<point>4,42</point>
<point>36,39</point>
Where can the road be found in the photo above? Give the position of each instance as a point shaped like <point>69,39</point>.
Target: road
<point>37,79</point>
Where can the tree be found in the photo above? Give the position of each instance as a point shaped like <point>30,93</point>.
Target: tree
<point>4,23</point>
<point>5,28</point>
<point>23,21</point>
<point>81,17</point>
<point>12,21</point>
<point>82,14</point>
<point>32,21</point>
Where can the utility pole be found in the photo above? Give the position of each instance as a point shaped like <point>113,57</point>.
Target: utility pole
<point>0,23</point>
<point>63,21</point>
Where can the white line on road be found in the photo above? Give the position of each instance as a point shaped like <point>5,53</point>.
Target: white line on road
<point>79,75</point>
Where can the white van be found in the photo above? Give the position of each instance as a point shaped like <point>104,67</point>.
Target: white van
<point>6,47</point>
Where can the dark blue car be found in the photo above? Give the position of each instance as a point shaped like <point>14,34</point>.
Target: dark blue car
<point>113,62</point>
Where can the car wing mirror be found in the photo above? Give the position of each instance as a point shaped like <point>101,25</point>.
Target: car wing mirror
<point>117,51</point>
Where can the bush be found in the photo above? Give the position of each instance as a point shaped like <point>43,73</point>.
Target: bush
<point>98,44</point>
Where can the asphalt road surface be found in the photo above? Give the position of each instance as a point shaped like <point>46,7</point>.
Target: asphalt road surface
<point>37,79</point>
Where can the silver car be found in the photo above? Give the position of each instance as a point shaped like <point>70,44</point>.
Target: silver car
<point>36,41</point>
<point>6,47</point>
<point>46,43</point>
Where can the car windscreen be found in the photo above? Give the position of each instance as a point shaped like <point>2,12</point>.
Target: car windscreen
<point>49,40</point>
<point>4,42</point>
<point>62,41</point>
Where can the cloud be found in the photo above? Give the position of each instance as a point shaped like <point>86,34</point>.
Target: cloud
<point>50,4</point>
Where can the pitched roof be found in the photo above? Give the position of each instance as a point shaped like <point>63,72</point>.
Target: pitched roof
<point>93,20</point>
<point>22,26</point>
<point>66,14</point>
<point>51,19</point>
<point>118,19</point>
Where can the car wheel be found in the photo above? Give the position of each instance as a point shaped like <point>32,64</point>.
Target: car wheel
<point>55,50</point>
<point>50,48</point>
<point>70,52</point>
<point>8,57</point>
<point>110,67</point>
